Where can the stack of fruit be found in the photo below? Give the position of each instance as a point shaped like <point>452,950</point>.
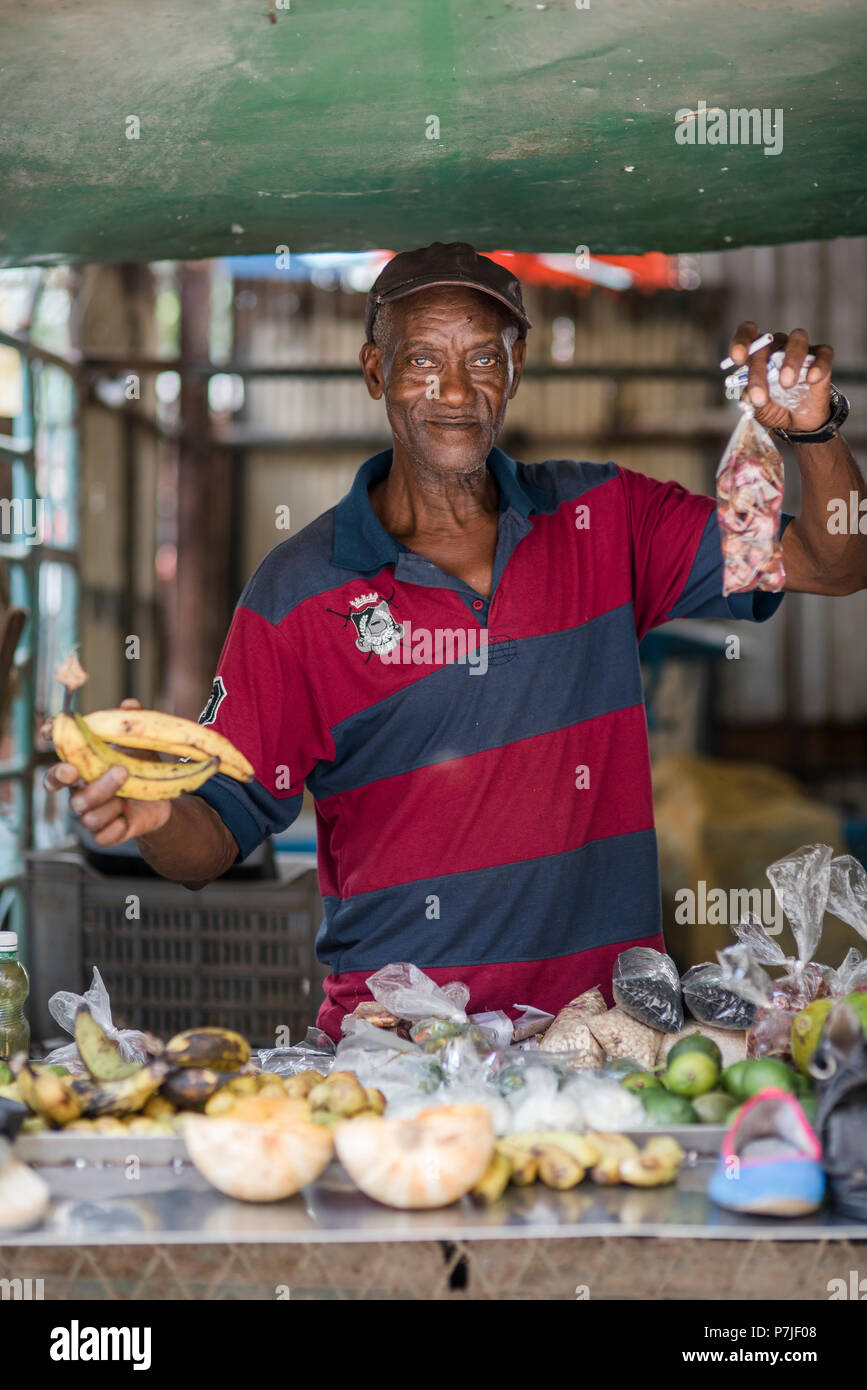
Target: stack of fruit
<point>203,1069</point>
<point>561,1159</point>
<point>695,1088</point>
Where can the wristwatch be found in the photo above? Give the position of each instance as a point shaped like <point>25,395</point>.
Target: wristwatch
<point>839,413</point>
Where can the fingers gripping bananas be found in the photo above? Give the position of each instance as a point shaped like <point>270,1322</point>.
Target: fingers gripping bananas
<point>86,744</point>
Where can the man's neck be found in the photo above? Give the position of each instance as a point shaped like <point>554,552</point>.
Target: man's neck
<point>416,500</point>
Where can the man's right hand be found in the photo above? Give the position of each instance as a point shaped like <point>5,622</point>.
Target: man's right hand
<point>110,820</point>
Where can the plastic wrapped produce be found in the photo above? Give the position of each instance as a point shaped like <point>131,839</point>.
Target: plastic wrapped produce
<point>801,883</point>
<point>541,1104</point>
<point>621,1035</point>
<point>372,1012</point>
<point>408,993</point>
<point>531,1023</point>
<point>709,1001</point>
<point>570,1032</point>
<point>605,1105</point>
<point>646,985</point>
<point>134,1046</point>
<point>315,1053</point>
<point>496,1027</point>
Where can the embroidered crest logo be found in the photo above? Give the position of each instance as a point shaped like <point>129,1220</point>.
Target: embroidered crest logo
<point>376,629</point>
<point>215,699</point>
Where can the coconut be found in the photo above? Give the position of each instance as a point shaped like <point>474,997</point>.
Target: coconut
<point>428,1161</point>
<point>258,1160</point>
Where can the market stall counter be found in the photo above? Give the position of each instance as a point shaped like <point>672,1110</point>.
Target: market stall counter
<point>603,1153</point>
<point>178,1238</point>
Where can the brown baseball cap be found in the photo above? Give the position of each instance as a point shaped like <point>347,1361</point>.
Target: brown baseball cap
<point>444,263</point>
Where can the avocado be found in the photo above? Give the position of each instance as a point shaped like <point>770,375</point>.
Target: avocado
<point>695,1042</point>
<point>714,1107</point>
<point>663,1108</point>
<point>691,1074</point>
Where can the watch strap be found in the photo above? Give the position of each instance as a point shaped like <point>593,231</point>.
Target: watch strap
<point>839,414</point>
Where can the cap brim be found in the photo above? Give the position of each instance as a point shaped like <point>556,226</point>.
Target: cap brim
<point>429,281</point>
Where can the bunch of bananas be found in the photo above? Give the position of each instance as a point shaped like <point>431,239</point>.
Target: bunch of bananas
<point>561,1160</point>
<point>88,745</point>
<point>203,1069</point>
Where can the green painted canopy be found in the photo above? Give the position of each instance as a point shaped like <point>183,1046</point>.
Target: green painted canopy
<point>308,124</point>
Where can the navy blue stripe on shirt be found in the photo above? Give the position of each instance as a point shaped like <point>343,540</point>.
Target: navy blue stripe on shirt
<point>557,905</point>
<point>702,595</point>
<point>547,683</point>
<point>248,810</point>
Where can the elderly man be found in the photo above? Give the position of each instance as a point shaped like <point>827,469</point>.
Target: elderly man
<point>448,659</point>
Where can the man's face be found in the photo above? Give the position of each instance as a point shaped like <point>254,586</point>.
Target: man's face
<point>447,373</point>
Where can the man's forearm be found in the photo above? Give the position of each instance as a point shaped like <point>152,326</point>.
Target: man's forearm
<point>193,847</point>
<point>820,558</point>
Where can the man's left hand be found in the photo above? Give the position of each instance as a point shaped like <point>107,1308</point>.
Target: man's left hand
<point>815,408</point>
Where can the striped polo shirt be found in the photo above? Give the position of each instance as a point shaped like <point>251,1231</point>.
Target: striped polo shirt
<point>480,767</point>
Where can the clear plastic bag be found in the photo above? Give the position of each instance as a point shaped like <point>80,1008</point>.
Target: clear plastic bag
<point>709,1001</point>
<point>408,993</point>
<point>646,986</point>
<point>496,1026</point>
<point>315,1053</point>
<point>750,486</point>
<point>847,892</point>
<point>749,490</point>
<point>532,1022</point>
<point>801,883</point>
<point>134,1045</point>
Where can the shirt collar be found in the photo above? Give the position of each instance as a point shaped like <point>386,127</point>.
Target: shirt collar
<point>361,542</point>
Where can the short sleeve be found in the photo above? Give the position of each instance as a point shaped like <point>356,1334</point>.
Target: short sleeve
<point>262,703</point>
<point>677,557</point>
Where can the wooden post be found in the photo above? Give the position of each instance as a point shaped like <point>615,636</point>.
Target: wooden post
<point>203,602</point>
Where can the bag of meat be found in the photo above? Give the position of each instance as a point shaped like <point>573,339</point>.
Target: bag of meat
<point>749,491</point>
<point>749,487</point>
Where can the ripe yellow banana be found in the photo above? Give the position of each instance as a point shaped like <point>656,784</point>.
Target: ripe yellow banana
<point>171,780</point>
<point>168,733</point>
<point>136,767</point>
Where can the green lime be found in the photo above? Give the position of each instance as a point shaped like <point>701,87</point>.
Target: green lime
<point>734,1079</point>
<point>714,1107</point>
<point>6,1077</point>
<point>666,1109</point>
<point>691,1074</point>
<point>746,1079</point>
<point>641,1081</point>
<point>695,1042</point>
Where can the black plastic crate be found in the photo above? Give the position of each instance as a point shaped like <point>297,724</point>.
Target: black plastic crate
<point>235,954</point>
